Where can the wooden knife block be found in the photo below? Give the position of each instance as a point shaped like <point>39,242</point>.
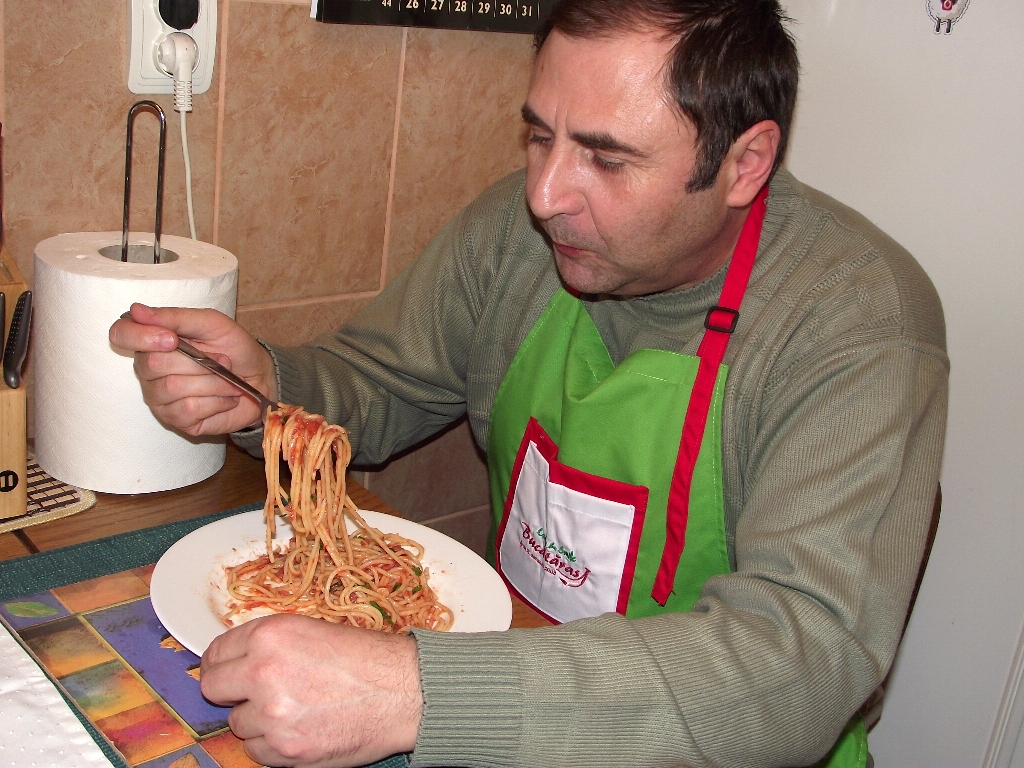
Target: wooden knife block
<point>13,466</point>
<point>13,410</point>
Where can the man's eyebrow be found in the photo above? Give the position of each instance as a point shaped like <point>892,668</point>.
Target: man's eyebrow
<point>601,142</point>
<point>605,142</point>
<point>532,118</point>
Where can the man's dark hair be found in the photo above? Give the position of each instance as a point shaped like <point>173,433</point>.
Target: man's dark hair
<point>733,66</point>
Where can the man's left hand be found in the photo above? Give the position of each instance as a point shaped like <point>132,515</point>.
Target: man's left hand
<point>309,693</point>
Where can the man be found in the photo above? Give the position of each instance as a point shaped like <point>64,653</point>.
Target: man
<point>759,524</point>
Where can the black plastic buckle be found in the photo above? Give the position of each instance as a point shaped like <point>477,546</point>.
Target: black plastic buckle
<point>734,317</point>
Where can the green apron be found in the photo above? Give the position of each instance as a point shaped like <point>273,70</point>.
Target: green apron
<point>592,513</point>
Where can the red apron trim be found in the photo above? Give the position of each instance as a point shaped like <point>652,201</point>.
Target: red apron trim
<point>635,496</point>
<point>711,352</point>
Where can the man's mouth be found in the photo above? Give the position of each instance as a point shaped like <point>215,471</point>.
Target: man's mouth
<point>568,250</point>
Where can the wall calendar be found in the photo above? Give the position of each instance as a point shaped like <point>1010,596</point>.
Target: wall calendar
<point>483,15</point>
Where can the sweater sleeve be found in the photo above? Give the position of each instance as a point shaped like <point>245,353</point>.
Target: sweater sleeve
<point>776,656</point>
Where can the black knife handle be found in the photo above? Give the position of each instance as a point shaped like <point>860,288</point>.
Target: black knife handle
<point>17,340</point>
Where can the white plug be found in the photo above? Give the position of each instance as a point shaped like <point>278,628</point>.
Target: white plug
<point>178,56</point>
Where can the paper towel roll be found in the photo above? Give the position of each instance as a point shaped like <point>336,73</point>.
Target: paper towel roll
<point>92,427</point>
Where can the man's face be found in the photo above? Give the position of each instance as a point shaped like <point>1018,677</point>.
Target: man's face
<point>608,163</point>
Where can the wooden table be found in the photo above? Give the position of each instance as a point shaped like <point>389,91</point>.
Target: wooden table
<point>239,482</point>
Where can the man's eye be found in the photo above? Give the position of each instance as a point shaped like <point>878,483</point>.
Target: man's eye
<point>611,166</point>
<point>539,138</point>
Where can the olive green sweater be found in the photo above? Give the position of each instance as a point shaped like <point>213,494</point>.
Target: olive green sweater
<point>833,429</point>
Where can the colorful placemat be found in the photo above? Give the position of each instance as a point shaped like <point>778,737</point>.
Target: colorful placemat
<point>85,615</point>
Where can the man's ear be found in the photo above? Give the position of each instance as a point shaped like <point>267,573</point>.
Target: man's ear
<point>748,164</point>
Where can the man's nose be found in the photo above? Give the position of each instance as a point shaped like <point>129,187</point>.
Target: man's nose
<point>554,185</point>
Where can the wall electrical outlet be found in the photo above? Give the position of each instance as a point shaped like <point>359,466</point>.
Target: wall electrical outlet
<point>149,22</point>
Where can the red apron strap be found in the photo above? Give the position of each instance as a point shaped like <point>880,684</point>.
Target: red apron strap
<point>720,322</point>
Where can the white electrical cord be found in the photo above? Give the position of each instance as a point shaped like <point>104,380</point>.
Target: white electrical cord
<point>178,56</point>
<point>188,178</point>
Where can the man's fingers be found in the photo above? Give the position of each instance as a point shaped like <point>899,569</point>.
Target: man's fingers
<point>156,329</point>
<point>223,675</point>
<point>196,324</point>
<point>182,393</point>
<point>227,683</point>
<point>181,379</point>
<point>134,337</point>
<point>189,400</point>
<point>231,645</point>
<point>260,752</point>
<point>192,412</point>
<point>244,722</point>
<point>154,365</point>
<point>150,366</point>
<point>306,692</point>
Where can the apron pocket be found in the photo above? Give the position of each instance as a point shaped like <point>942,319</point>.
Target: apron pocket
<point>568,541</point>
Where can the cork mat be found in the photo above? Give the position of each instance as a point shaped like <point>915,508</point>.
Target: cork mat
<point>48,499</point>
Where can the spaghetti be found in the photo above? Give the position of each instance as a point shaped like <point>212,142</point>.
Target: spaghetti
<point>364,578</point>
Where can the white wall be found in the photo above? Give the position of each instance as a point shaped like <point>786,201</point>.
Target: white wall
<point>924,134</point>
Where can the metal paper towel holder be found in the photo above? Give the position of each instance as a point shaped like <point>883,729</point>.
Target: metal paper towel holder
<point>136,108</point>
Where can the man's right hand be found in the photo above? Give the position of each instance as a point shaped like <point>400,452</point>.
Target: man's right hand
<point>180,392</point>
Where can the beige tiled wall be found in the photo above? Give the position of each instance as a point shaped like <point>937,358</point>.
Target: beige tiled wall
<point>323,156</point>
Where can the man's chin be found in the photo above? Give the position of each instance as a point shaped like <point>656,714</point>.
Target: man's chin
<point>583,280</point>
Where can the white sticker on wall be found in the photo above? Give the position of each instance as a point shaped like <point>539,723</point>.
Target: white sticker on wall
<point>945,13</point>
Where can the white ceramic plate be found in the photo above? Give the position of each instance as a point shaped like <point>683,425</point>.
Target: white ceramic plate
<point>186,588</point>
